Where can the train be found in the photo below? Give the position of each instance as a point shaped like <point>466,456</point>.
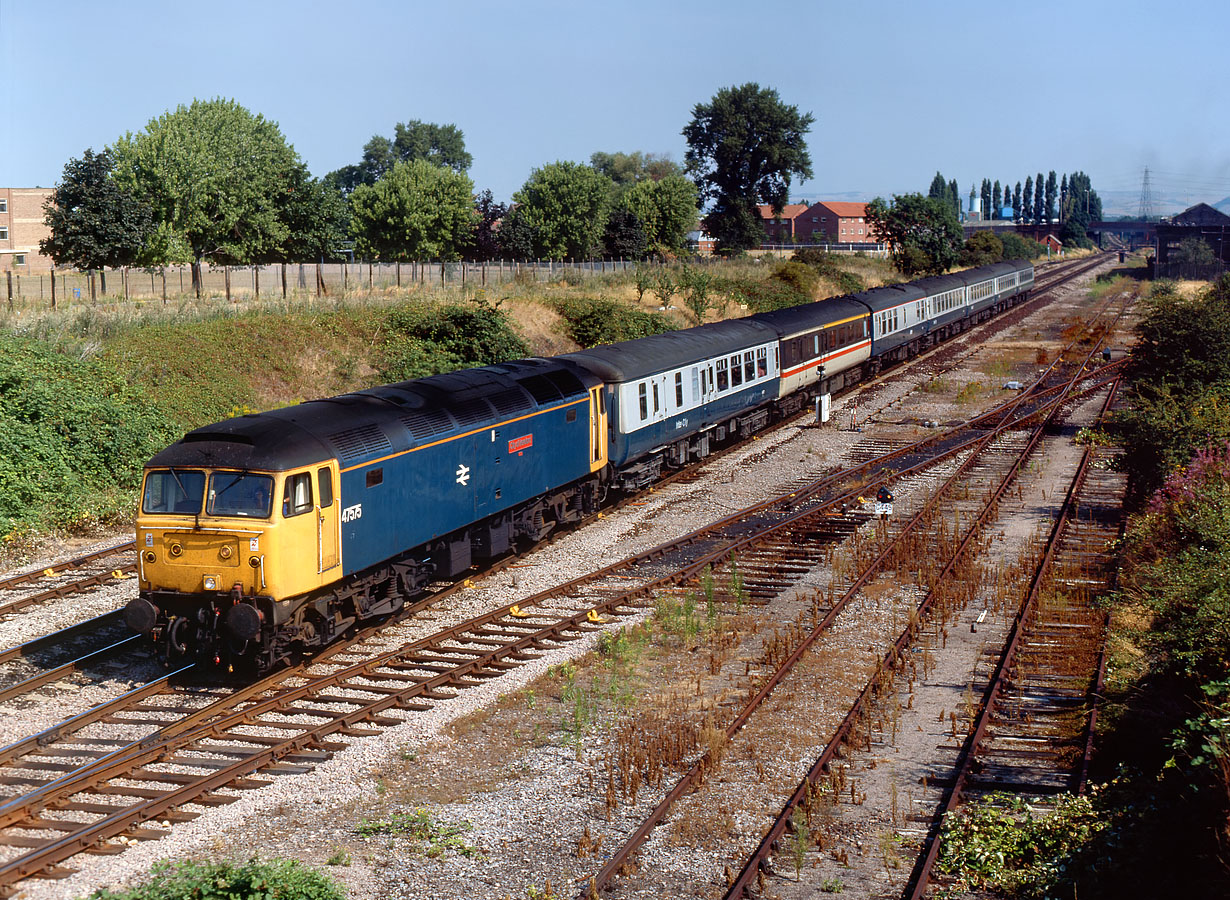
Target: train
<point>265,537</point>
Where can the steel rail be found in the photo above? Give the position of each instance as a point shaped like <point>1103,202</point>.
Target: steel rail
<point>756,861</point>
<point>697,771</point>
<point>57,568</point>
<point>920,877</point>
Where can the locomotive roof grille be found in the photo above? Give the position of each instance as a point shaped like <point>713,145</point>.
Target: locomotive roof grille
<point>471,412</point>
<point>510,402</point>
<point>366,440</point>
<point>542,389</point>
<point>427,424</point>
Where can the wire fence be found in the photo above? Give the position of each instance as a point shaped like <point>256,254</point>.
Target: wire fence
<point>234,283</point>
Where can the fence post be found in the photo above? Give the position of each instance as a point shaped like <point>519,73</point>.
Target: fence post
<point>484,273</point>
<point>164,285</point>
<point>345,278</point>
<point>9,277</point>
<point>53,288</point>
<point>397,268</point>
<point>371,281</point>
<point>256,281</point>
<point>320,281</point>
<point>442,276</point>
<point>124,279</point>
<point>226,278</point>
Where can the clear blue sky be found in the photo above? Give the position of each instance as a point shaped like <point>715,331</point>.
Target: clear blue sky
<point>899,88</point>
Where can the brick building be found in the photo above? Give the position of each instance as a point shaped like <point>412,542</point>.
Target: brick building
<point>21,228</point>
<point>825,222</point>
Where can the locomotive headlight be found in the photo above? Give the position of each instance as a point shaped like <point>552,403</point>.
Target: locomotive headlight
<point>211,582</point>
<point>150,556</point>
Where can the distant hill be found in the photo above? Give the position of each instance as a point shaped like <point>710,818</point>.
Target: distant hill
<point>1222,205</point>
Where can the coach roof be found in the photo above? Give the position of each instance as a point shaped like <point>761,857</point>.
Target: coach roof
<point>629,360</point>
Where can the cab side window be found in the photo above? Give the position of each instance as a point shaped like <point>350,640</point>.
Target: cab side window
<point>297,498</point>
<point>325,484</point>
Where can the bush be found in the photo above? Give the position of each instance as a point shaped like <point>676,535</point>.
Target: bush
<point>803,278</point>
<point>426,339</point>
<point>826,266</point>
<point>285,879</point>
<point>981,249</point>
<point>1017,247</point>
<point>763,296</point>
<point>74,436</point>
<point>591,321</point>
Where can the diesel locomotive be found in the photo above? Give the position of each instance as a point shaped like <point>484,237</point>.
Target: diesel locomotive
<point>269,535</point>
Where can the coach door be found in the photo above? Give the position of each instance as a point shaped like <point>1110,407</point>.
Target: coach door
<point>597,429</point>
<point>328,523</point>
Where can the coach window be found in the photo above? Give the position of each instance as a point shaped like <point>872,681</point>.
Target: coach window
<point>723,379</point>
<point>643,396</point>
<point>749,368</point>
<point>695,385</point>
<point>736,371</point>
<point>762,362</point>
<point>679,390</point>
<point>297,497</point>
<point>324,484</point>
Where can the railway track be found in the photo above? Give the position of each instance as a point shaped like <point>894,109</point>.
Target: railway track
<point>979,466</point>
<point>66,774</point>
<point>408,679</point>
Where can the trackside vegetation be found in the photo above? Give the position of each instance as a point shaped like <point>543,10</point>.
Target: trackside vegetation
<point>1158,824</point>
<point>88,394</point>
<point>284,879</point>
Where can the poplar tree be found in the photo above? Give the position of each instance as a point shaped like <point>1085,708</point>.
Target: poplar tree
<point>1039,208</point>
<point>997,195</point>
<point>1052,190</point>
<point>1027,201</point>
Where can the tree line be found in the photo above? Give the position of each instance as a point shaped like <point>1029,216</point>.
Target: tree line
<point>1038,202</point>
<point>214,181</point>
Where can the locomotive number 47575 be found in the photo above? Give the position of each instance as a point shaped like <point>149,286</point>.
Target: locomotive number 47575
<point>350,513</point>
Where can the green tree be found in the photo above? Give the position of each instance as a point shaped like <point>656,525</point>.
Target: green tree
<point>516,237</point>
<point>1193,251</point>
<point>954,197</point>
<point>441,145</point>
<point>986,198</point>
<point>215,175</point>
<point>1039,206</point>
<point>1083,203</point>
<point>486,242</point>
<point>317,220</point>
<point>629,168</point>
<point>1052,191</point>
<point>1027,199</point>
<point>981,249</point>
<point>666,210</point>
<point>997,200</point>
<point>566,204</point>
<point>743,148</point>
<point>923,235</point>
<point>1016,202</point>
<point>94,222</point>
<point>624,236</point>
<point>417,211</point>
<point>939,187</point>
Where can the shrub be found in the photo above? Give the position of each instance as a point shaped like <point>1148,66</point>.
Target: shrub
<point>591,321</point>
<point>1017,247</point>
<point>826,266</point>
<point>426,339</point>
<point>74,437</point>
<point>800,276</point>
<point>285,879</point>
<point>763,296</point>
